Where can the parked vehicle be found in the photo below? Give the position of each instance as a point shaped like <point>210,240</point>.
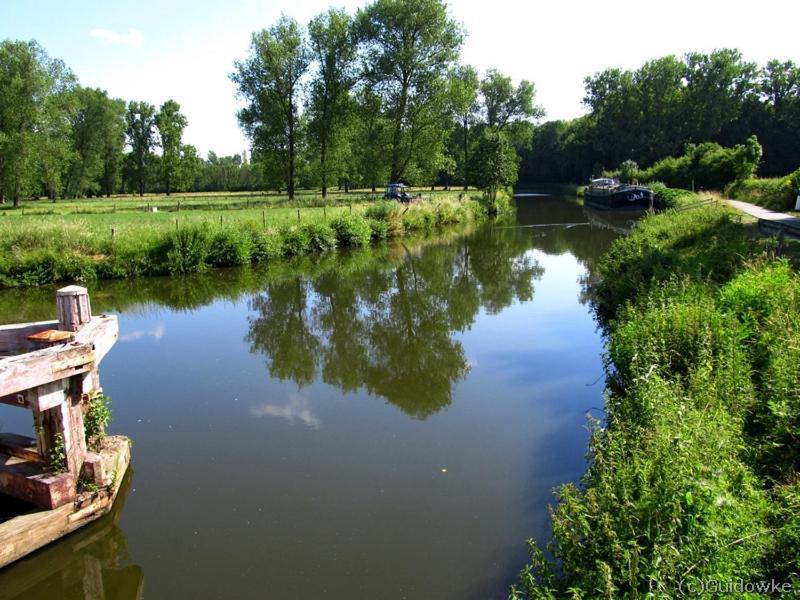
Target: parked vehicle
<point>397,191</point>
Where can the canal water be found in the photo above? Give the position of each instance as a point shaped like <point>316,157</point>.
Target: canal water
<point>385,424</point>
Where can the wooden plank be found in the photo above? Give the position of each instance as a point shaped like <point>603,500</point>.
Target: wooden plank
<point>26,533</point>
<point>20,446</point>
<point>102,332</point>
<point>20,400</point>
<point>20,373</point>
<point>14,337</point>
<point>27,481</point>
<point>51,337</point>
<point>102,539</point>
<point>41,398</point>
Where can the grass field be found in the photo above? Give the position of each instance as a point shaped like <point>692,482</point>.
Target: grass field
<point>42,241</point>
<point>211,201</point>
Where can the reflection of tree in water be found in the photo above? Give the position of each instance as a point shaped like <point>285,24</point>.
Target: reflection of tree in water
<point>388,326</point>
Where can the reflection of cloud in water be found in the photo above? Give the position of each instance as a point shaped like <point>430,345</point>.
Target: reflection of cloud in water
<point>156,333</point>
<point>296,409</point>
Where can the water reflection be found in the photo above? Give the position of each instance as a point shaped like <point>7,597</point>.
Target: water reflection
<point>326,488</point>
<point>390,327</point>
<point>91,563</point>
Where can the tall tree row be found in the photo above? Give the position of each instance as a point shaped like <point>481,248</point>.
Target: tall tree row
<point>655,111</point>
<point>374,97</point>
<point>61,140</point>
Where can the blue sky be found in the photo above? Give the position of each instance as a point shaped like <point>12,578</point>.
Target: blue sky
<point>148,50</point>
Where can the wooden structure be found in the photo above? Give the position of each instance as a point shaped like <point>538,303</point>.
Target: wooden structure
<point>51,369</point>
<point>87,564</point>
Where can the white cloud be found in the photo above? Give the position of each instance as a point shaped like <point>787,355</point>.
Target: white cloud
<point>133,38</point>
<point>156,333</point>
<point>297,409</point>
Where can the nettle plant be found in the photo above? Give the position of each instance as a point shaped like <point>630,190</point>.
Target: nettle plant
<point>96,419</point>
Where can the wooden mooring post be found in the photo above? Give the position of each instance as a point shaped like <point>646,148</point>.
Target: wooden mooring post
<point>52,371</point>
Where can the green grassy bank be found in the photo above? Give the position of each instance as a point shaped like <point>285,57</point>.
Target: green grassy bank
<point>693,473</point>
<point>83,243</point>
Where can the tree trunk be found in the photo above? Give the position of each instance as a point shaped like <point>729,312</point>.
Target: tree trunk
<point>395,173</point>
<point>323,167</point>
<point>466,155</point>
<point>290,182</point>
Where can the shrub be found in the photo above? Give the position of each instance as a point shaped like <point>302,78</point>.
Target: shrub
<point>186,249</point>
<point>295,241</point>
<point>766,301</point>
<point>674,333</point>
<point>351,230</point>
<point>775,194</point>
<point>383,210</point>
<point>706,165</point>
<point>666,198</point>
<point>379,230</point>
<point>321,237</point>
<point>264,245</point>
<point>229,247</point>
<point>705,244</point>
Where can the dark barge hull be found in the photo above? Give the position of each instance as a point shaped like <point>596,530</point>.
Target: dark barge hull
<point>634,198</point>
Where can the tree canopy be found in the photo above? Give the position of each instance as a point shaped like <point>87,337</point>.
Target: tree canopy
<point>654,112</point>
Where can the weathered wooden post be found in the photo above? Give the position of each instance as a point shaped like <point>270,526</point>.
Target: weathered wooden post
<point>59,411</point>
<point>74,308</point>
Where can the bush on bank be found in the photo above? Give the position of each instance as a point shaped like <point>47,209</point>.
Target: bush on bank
<point>693,476</point>
<point>779,193</point>
<point>34,256</point>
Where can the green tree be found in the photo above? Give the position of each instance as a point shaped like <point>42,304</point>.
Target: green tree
<point>463,92</point>
<point>53,134</point>
<point>188,169</point>
<point>717,87</point>
<point>495,164</point>
<point>170,123</point>
<point>504,104</point>
<point>409,45</point>
<point>628,170</point>
<point>96,130</point>
<point>746,158</point>
<point>270,81</point>
<point>370,135</point>
<point>334,52</point>
<point>141,133</point>
<point>113,145</point>
<point>28,115</point>
<point>779,81</point>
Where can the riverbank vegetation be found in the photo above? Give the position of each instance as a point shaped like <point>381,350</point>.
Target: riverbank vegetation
<point>775,193</point>
<point>37,249</point>
<point>693,473</point>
